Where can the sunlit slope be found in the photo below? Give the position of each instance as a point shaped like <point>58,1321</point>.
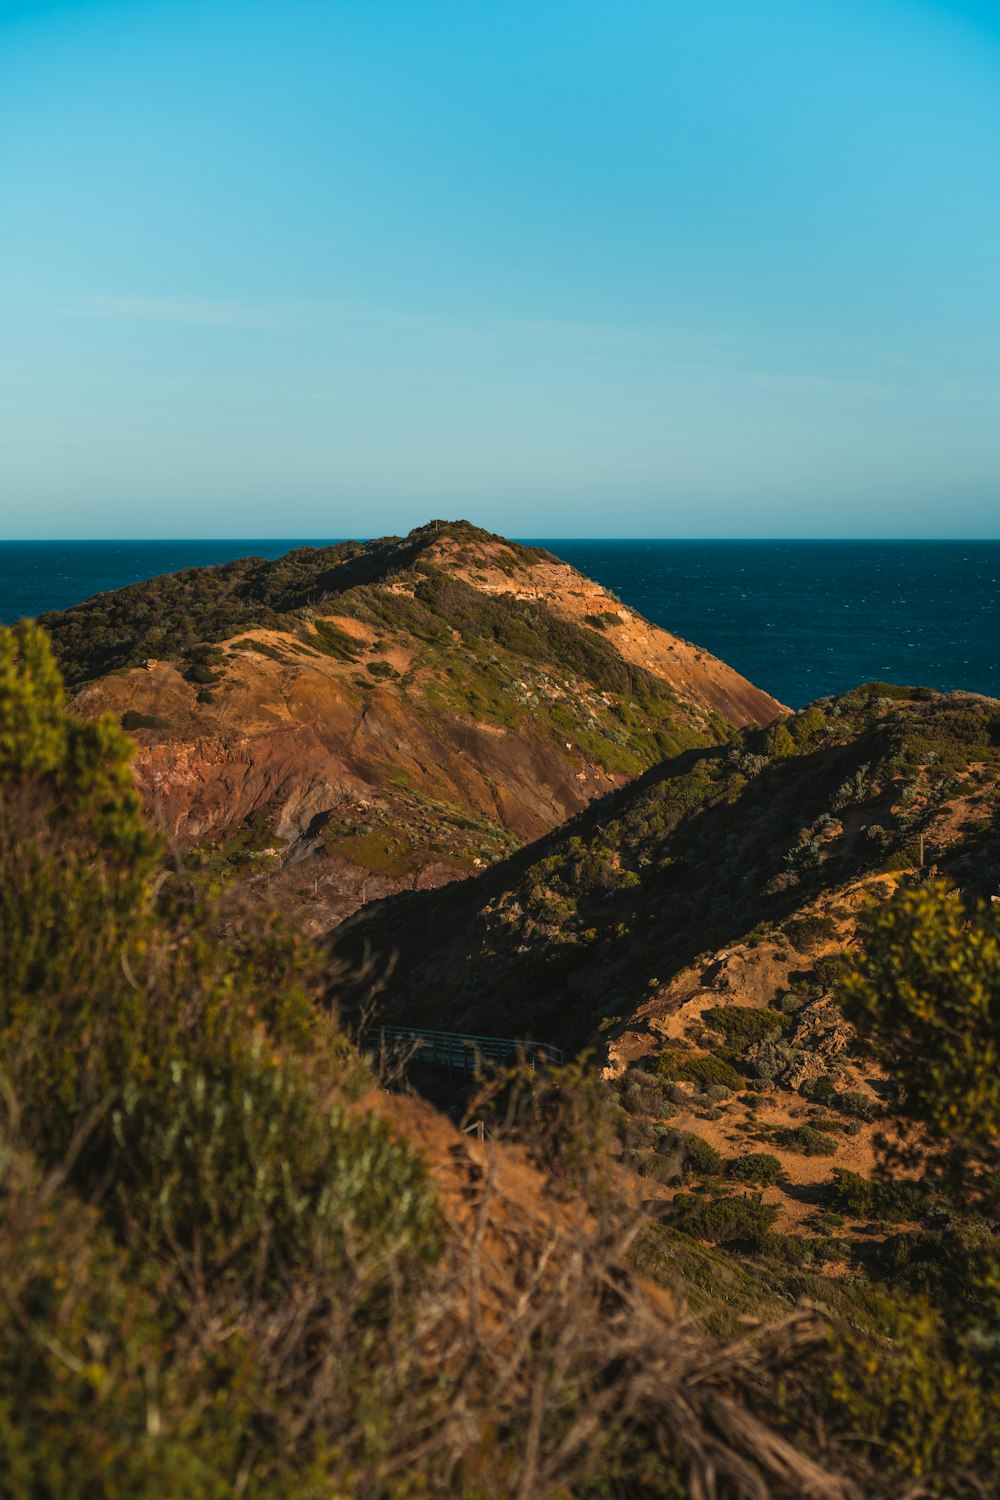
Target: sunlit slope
<point>353,720</point>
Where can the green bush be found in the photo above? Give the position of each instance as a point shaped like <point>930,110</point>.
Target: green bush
<point>806,728</point>
<point>787,1249</point>
<point>132,719</point>
<point>859,1106</point>
<point>230,1157</point>
<point>89,1363</point>
<point>956,1266</point>
<point>808,1140</point>
<point>382,669</point>
<point>720,1220</point>
<point>756,1168</point>
<point>694,1155</point>
<point>702,1068</point>
<point>742,1025</point>
<point>926,995</point>
<point>850,1193</point>
<point>911,1404</point>
<point>201,664</point>
<point>806,932</point>
<point>780,743</point>
<point>772,1059</point>
<point>822,1090</point>
<point>603,620</point>
<point>334,641</point>
<point>829,970</point>
<point>643,1094</point>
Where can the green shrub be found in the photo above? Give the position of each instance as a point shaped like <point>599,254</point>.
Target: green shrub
<point>701,1068</point>
<point>806,932</point>
<point>926,994</point>
<point>911,1404</point>
<point>723,1219</point>
<point>743,1025</point>
<point>636,1160</point>
<point>86,1360</point>
<point>132,719</point>
<point>850,1193</point>
<point>897,694</point>
<point>787,1249</point>
<point>780,743</point>
<point>829,970</point>
<point>808,1140</point>
<point>642,1094</point>
<point>382,669</point>
<point>198,672</point>
<point>756,1168</point>
<point>956,1266</point>
<point>695,1156</point>
<point>201,664</point>
<point>859,1106</point>
<point>822,1090</point>
<point>182,1082</point>
<point>230,1157</point>
<point>772,1059</point>
<point>806,728</point>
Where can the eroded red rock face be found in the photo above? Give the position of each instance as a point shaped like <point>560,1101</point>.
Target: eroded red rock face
<point>333,781</point>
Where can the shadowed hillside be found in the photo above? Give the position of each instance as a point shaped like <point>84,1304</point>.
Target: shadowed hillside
<point>694,855</point>
<point>726,881</point>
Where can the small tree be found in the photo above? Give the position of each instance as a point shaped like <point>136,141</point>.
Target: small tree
<point>926,992</point>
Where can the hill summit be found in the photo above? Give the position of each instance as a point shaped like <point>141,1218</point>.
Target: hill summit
<point>351,720</point>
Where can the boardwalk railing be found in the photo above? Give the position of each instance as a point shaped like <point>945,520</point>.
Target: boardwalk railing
<point>456,1049</point>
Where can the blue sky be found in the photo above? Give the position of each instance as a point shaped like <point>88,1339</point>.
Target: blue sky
<point>568,268</point>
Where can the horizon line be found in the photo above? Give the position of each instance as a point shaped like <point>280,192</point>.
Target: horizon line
<point>310,541</point>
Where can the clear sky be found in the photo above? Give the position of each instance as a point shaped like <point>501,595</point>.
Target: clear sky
<point>564,267</point>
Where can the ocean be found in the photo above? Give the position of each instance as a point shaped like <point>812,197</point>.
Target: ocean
<point>800,619</point>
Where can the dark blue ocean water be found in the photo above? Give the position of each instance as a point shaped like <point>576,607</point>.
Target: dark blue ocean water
<point>800,619</point>
<point>803,619</point>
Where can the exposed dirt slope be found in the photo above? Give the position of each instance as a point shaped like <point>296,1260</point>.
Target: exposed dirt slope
<point>356,720</point>
<point>696,676</point>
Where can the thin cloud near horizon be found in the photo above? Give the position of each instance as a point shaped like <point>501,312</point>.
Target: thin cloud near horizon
<point>176,310</point>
